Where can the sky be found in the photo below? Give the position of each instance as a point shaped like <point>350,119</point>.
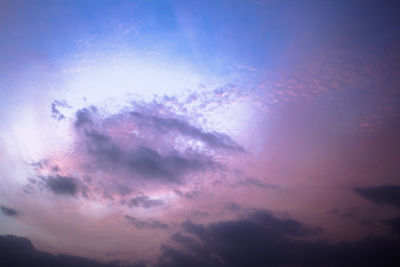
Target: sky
<point>199,133</point>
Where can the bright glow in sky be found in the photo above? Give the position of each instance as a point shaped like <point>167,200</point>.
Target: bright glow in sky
<point>199,133</point>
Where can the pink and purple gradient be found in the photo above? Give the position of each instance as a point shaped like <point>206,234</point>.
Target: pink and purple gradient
<point>199,133</point>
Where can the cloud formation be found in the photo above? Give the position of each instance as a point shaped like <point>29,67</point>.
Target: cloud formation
<point>381,195</point>
<point>145,202</point>
<point>143,161</point>
<point>255,182</point>
<point>263,240</point>
<point>164,124</point>
<point>9,211</point>
<point>61,185</point>
<point>148,224</point>
<point>55,112</point>
<point>19,252</point>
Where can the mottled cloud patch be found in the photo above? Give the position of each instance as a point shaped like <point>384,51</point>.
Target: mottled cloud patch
<point>145,202</point>
<point>146,224</point>
<point>381,195</point>
<point>189,194</point>
<point>143,161</point>
<point>61,185</point>
<point>164,124</point>
<point>9,211</point>
<point>84,116</point>
<point>142,142</point>
<point>55,109</point>
<point>56,183</point>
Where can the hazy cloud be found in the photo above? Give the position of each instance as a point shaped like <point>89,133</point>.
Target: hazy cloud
<point>145,202</point>
<point>149,224</point>
<point>9,211</point>
<point>255,182</point>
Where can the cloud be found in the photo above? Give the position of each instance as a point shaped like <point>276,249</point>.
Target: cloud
<point>212,139</point>
<point>55,112</point>
<point>9,211</point>
<point>149,224</point>
<point>256,182</point>
<point>61,185</point>
<point>19,252</point>
<point>232,206</point>
<point>381,195</point>
<point>190,194</point>
<point>83,116</point>
<point>145,202</point>
<point>143,161</point>
<point>350,214</point>
<point>394,224</point>
<point>264,240</point>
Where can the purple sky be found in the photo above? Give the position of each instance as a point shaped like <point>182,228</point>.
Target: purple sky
<point>200,133</point>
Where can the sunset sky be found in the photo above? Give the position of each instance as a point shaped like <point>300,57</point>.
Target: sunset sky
<point>199,133</point>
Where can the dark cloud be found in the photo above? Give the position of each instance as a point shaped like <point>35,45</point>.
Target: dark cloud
<point>61,185</point>
<point>394,224</point>
<point>381,195</point>
<point>145,202</point>
<point>263,240</point>
<point>350,214</point>
<point>145,118</point>
<point>142,160</point>
<point>84,117</point>
<point>55,112</point>
<point>212,139</point>
<point>256,182</point>
<point>9,211</point>
<point>149,224</point>
<point>190,194</point>
<point>139,143</point>
<point>19,252</point>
